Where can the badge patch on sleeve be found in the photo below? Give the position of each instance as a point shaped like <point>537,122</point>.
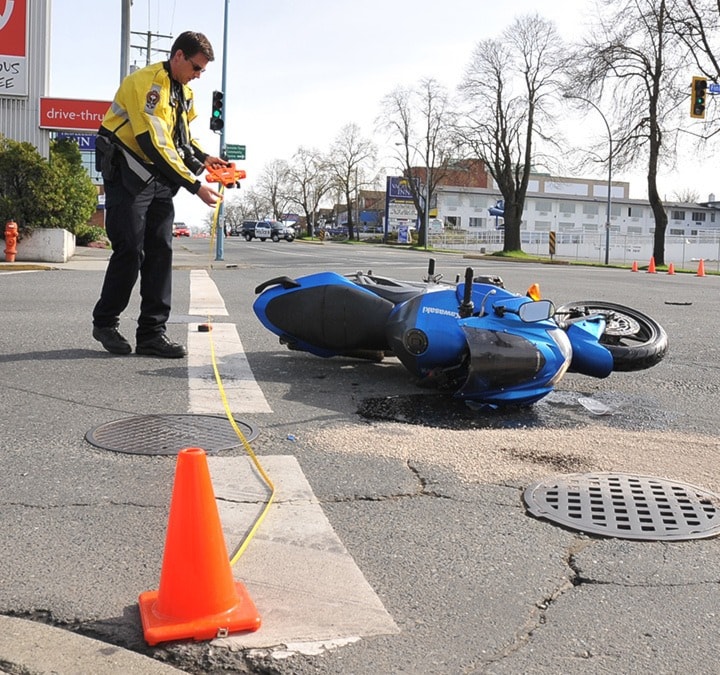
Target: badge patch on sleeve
<point>152,99</point>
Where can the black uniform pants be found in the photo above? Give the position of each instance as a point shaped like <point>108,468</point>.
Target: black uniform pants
<point>140,230</point>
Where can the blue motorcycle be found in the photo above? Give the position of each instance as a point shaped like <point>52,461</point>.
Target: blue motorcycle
<point>473,337</point>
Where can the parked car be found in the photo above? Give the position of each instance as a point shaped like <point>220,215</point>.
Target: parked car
<point>266,229</point>
<point>180,230</point>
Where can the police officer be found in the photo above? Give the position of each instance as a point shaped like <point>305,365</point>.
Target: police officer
<point>146,154</point>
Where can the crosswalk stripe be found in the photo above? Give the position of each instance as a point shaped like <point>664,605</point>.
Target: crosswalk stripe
<point>205,299</point>
<point>242,391</point>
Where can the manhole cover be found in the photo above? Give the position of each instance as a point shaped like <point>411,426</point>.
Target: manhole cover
<point>168,434</point>
<point>626,506</point>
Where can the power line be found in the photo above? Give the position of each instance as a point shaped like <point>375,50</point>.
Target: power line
<point>148,47</point>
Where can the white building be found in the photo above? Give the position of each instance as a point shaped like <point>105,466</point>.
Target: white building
<point>575,209</point>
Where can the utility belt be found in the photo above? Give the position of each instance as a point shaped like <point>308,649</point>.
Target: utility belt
<point>115,162</point>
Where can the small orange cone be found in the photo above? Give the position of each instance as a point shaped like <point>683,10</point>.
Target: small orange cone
<point>671,268</point>
<point>634,266</point>
<point>651,266</point>
<point>701,268</point>
<point>198,597</point>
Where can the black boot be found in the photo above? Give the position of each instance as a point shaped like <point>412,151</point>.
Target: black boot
<point>111,339</point>
<point>161,346</point>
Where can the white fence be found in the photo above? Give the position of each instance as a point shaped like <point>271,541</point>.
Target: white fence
<point>683,252</point>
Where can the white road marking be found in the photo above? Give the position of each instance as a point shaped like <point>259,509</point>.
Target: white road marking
<point>306,586</point>
<point>300,607</point>
<point>242,391</point>
<point>205,299</point>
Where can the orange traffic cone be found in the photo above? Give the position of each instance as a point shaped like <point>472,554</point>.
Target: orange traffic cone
<point>198,597</point>
<point>701,268</point>
<point>634,266</point>
<point>671,268</point>
<point>651,266</point>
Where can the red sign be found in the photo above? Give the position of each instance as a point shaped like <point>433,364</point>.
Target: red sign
<point>13,48</point>
<point>13,27</point>
<point>69,114</point>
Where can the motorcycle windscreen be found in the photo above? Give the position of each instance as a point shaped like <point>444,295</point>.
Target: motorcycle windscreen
<point>499,360</point>
<point>338,318</point>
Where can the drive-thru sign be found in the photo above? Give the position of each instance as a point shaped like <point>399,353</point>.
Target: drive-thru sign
<point>69,114</point>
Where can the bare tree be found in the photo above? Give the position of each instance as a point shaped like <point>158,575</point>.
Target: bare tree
<point>272,187</point>
<point>257,206</point>
<point>238,209</point>
<point>686,196</point>
<point>351,162</point>
<point>239,206</point>
<point>635,61</point>
<point>309,180</point>
<point>508,88</point>
<point>420,123</point>
<point>697,24</point>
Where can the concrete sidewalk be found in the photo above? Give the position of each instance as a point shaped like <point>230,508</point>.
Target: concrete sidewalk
<point>90,258</point>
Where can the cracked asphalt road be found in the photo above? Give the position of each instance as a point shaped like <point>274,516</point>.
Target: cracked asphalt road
<point>430,509</point>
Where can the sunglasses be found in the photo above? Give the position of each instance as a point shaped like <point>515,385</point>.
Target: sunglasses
<point>195,66</point>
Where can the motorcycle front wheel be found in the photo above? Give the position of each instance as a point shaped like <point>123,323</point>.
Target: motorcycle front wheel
<point>635,340</point>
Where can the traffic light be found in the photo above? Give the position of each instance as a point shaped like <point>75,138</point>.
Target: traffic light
<point>697,101</point>
<point>216,121</point>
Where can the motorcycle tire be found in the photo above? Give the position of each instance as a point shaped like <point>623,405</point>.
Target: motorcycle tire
<point>635,340</point>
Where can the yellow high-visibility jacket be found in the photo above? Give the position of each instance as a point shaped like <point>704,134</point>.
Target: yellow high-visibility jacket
<point>143,117</point>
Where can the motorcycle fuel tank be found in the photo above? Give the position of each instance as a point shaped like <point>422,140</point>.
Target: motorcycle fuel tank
<point>424,333</point>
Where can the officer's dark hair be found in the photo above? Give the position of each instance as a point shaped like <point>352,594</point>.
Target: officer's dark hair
<point>191,43</point>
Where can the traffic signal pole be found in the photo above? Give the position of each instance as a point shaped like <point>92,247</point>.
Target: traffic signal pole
<point>220,227</point>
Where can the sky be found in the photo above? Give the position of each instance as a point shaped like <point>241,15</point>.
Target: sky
<point>299,71</point>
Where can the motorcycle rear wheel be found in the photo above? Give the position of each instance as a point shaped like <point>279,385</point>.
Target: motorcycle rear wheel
<point>635,340</point>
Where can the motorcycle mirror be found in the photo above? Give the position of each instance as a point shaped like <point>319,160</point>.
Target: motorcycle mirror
<point>536,311</point>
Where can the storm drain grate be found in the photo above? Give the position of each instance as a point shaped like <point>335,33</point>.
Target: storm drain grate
<point>626,506</point>
<point>168,434</point>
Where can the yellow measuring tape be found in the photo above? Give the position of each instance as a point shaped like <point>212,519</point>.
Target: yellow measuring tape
<point>218,379</point>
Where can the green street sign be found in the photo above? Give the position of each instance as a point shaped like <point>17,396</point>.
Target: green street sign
<point>235,151</point>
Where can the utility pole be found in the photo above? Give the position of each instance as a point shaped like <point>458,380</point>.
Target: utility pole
<point>125,38</point>
<point>148,48</point>
<point>220,228</point>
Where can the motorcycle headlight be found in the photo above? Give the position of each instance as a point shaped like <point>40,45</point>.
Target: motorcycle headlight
<point>560,338</point>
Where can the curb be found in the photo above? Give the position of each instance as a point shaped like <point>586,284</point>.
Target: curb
<point>30,647</point>
<point>25,267</point>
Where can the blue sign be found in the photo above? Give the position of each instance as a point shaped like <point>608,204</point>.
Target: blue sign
<point>84,141</point>
<point>398,187</point>
<point>714,88</point>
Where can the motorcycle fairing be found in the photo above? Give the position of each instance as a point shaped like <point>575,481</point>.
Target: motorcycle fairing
<point>589,357</point>
<point>325,314</point>
<point>424,333</point>
<point>505,367</point>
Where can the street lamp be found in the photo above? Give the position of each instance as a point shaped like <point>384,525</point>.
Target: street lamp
<point>609,181</point>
